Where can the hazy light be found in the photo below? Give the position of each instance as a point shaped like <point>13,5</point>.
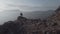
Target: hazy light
<point>28,5</point>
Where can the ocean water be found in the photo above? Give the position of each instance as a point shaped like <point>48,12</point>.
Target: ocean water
<point>8,16</point>
<point>12,15</point>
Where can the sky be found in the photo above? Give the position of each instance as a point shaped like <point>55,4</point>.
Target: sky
<point>29,5</point>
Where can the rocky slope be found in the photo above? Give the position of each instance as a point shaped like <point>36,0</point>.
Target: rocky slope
<point>51,25</point>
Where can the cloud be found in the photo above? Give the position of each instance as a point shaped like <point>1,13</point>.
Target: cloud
<point>28,5</point>
<point>31,8</point>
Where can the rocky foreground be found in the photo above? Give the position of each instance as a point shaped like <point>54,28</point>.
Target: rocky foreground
<point>22,25</point>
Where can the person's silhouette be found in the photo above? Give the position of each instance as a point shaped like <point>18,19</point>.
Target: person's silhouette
<point>21,14</point>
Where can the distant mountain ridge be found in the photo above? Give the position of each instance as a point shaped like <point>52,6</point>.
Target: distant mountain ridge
<point>39,14</point>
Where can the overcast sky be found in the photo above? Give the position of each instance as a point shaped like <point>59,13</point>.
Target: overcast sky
<point>29,5</point>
